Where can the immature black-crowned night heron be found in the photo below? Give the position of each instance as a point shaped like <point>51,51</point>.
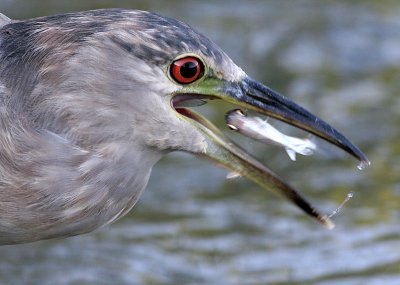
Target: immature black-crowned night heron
<point>91,101</point>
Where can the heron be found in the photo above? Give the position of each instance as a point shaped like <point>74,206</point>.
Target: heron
<point>90,101</point>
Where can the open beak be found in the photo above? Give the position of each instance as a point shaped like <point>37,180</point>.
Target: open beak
<point>253,95</point>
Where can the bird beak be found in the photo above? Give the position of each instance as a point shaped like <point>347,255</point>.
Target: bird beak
<point>258,97</point>
<point>253,95</point>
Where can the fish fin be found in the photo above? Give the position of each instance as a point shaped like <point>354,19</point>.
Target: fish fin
<point>291,153</point>
<point>233,175</point>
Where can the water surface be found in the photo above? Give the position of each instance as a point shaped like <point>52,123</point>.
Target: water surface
<point>192,226</point>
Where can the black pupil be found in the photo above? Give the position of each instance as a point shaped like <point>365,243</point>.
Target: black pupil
<point>189,69</point>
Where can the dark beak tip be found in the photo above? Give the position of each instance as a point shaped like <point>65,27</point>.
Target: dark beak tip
<point>271,103</point>
<point>327,222</point>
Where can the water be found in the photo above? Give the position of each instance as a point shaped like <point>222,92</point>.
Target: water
<point>339,208</point>
<point>363,164</point>
<point>192,226</point>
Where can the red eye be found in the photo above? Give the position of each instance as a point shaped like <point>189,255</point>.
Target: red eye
<point>186,70</point>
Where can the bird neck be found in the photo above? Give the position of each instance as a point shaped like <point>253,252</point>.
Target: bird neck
<point>56,188</point>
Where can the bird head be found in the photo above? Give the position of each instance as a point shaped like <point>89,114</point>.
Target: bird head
<point>118,75</point>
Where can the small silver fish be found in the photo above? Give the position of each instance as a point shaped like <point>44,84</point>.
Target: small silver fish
<point>261,130</point>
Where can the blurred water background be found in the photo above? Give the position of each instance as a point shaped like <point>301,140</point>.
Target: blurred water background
<point>341,60</point>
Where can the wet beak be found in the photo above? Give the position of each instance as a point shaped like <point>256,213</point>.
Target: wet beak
<point>250,94</point>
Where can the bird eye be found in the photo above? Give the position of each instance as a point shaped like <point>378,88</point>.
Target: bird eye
<point>186,70</point>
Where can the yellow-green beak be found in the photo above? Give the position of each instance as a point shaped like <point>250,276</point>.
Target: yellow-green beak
<point>253,95</point>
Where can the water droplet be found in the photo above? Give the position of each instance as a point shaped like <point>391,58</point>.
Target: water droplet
<point>363,164</point>
<point>348,197</point>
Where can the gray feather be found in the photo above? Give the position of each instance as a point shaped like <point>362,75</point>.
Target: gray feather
<point>83,116</point>
<point>4,20</point>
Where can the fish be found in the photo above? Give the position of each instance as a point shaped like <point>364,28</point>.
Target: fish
<point>259,129</point>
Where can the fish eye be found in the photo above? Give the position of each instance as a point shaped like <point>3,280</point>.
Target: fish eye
<point>186,70</point>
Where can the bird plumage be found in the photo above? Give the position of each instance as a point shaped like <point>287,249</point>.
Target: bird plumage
<point>82,120</point>
<point>88,104</point>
